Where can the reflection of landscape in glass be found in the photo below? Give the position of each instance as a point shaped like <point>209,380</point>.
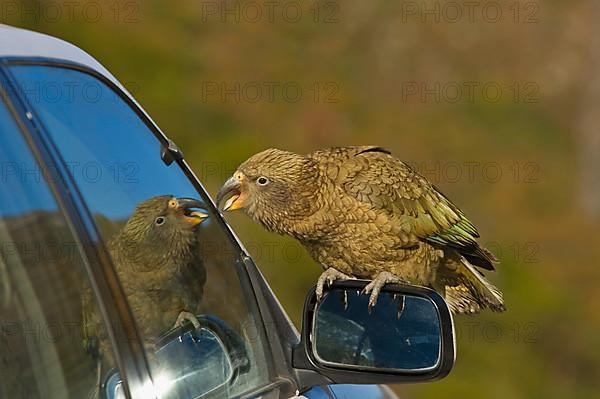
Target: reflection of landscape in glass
<point>41,275</point>
<point>380,339</point>
<point>115,161</point>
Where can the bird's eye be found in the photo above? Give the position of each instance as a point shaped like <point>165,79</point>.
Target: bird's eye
<point>262,181</point>
<point>159,220</point>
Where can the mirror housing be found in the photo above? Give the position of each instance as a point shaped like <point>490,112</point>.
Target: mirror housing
<point>196,363</point>
<point>407,337</point>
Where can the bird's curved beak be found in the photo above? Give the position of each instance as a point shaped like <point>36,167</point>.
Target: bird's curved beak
<point>186,207</point>
<point>231,193</point>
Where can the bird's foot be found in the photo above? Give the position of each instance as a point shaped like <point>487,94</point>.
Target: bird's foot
<point>375,286</point>
<point>329,276</point>
<point>186,317</point>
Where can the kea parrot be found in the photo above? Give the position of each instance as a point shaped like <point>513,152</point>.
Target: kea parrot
<point>156,258</point>
<point>362,213</point>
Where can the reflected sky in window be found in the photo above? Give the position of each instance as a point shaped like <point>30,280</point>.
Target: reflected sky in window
<point>22,187</point>
<point>111,153</point>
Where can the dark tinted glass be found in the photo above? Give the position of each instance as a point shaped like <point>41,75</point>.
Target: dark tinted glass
<point>115,161</point>
<point>401,332</point>
<point>44,350</point>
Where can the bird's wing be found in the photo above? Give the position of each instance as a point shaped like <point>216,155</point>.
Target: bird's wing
<point>373,176</point>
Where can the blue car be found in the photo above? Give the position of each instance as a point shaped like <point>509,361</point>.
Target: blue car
<point>78,155</point>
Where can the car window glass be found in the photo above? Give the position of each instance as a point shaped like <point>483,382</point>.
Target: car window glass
<point>171,258</point>
<point>44,351</point>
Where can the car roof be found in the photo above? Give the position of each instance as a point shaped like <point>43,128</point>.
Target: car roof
<point>15,42</point>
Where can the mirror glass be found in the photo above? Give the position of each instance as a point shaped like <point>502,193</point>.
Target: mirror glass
<point>193,364</point>
<point>402,332</point>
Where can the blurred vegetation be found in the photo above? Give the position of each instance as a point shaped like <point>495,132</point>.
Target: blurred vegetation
<point>171,54</point>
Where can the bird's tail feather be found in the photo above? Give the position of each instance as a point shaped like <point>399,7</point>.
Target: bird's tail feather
<point>480,257</point>
<point>460,300</point>
<point>488,293</point>
<point>466,290</point>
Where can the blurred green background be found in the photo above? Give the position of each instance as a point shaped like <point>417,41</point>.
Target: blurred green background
<point>495,102</point>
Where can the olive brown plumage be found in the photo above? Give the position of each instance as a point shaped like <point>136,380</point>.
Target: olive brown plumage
<point>156,258</point>
<point>362,213</point>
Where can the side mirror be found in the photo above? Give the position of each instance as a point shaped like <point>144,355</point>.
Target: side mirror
<point>407,337</point>
<point>192,363</point>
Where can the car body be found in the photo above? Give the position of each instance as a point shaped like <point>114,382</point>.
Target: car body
<point>80,153</point>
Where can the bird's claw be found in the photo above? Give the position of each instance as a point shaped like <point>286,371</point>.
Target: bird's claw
<point>400,306</point>
<point>344,299</point>
<point>329,276</point>
<point>375,286</point>
<point>187,317</point>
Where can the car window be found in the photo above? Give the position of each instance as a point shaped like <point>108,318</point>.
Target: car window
<point>44,352</point>
<point>173,260</point>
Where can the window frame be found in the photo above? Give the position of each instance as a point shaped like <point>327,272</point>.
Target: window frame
<point>130,356</point>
